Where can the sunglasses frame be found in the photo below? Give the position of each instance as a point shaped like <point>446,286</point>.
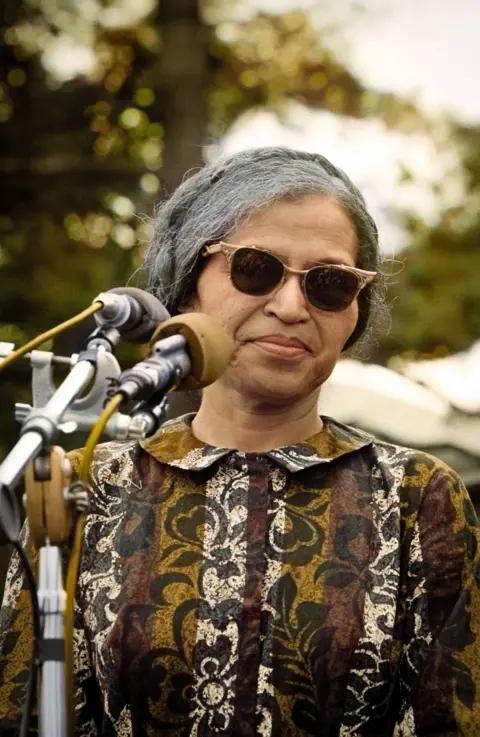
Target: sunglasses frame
<point>229,249</point>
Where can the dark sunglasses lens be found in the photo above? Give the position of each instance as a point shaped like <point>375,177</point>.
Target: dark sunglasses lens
<point>255,272</point>
<point>331,289</point>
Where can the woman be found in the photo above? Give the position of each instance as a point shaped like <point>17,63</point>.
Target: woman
<point>256,569</point>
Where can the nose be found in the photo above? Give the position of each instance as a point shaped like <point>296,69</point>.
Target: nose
<point>288,302</point>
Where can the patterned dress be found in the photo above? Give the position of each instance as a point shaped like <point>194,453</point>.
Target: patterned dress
<point>329,588</point>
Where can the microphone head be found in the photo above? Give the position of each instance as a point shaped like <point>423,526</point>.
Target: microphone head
<point>152,313</point>
<point>209,346</point>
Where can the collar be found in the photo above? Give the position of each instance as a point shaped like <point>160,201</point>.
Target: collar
<point>176,445</point>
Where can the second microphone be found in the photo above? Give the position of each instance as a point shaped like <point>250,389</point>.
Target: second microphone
<point>187,352</point>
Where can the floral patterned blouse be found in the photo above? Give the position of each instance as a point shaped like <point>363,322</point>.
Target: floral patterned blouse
<point>326,588</point>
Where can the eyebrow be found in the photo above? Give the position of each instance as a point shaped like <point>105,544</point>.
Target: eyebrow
<point>334,260</point>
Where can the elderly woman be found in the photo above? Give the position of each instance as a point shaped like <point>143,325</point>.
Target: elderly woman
<point>255,568</point>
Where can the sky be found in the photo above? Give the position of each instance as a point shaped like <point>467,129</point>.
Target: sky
<point>425,48</point>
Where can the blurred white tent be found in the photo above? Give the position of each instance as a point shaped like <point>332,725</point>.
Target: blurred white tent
<point>455,378</point>
<point>431,405</point>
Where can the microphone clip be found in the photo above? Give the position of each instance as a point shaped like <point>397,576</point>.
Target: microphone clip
<point>83,413</point>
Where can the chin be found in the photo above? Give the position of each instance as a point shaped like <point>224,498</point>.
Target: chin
<point>277,388</point>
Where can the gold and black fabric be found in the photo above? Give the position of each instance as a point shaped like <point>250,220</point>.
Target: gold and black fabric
<point>329,588</point>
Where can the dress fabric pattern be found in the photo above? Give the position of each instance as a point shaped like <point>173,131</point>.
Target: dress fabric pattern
<point>330,588</point>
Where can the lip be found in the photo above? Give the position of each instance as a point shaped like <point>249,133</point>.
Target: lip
<point>282,345</point>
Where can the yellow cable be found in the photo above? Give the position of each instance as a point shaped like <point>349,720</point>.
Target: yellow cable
<point>75,557</point>
<point>32,344</point>
<point>96,433</point>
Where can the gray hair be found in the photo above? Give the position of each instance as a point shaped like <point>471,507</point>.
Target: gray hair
<point>209,205</point>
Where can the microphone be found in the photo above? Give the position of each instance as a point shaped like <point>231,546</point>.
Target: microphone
<point>188,351</point>
<point>133,312</point>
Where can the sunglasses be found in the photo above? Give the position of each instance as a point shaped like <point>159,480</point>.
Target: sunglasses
<point>257,272</point>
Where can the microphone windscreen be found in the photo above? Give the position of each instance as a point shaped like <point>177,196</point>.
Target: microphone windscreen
<point>209,346</point>
<point>152,313</point>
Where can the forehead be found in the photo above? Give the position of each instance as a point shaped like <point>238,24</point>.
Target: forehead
<point>310,228</point>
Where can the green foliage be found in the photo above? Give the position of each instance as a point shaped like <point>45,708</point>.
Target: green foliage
<point>436,299</point>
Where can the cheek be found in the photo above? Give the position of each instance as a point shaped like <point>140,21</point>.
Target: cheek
<point>212,291</point>
<point>216,296</point>
<point>336,328</point>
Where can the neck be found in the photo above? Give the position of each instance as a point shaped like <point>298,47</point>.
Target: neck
<point>227,419</point>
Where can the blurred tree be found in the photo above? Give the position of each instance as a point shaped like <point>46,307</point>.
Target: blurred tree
<point>79,159</point>
<point>182,88</point>
<point>269,60</point>
<point>436,299</point>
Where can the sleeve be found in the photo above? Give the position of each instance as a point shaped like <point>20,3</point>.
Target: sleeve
<point>16,644</point>
<point>16,648</point>
<point>439,669</point>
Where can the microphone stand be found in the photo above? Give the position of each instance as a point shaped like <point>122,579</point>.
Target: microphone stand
<point>49,517</point>
<point>50,520</point>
